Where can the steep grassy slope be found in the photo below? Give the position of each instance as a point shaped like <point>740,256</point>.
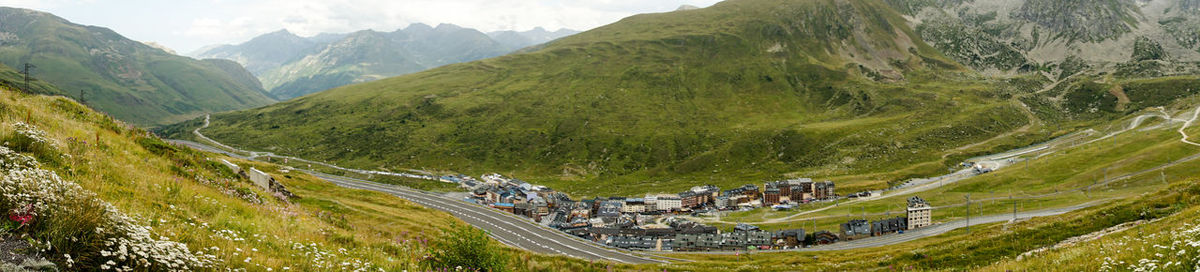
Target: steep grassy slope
<point>514,40</point>
<point>13,79</point>
<point>741,91</point>
<point>173,203</point>
<point>130,80</point>
<point>1167,244</point>
<point>1120,173</point>
<point>993,247</point>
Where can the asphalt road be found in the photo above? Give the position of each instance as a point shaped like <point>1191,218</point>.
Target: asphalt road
<point>939,229</point>
<point>925,232</point>
<point>507,228</point>
<point>208,148</point>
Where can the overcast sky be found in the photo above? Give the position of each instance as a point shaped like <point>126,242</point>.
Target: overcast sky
<point>186,25</point>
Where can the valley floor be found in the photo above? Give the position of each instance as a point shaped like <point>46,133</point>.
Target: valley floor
<point>1143,135</point>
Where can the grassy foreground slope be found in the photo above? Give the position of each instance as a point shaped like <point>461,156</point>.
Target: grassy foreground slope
<point>188,212</point>
<point>742,91</point>
<point>125,78</point>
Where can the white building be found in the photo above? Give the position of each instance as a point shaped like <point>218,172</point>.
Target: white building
<point>668,203</point>
<point>635,205</point>
<point>494,179</point>
<point>651,202</point>
<point>920,214</point>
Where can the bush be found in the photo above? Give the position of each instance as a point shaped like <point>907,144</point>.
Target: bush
<point>467,248</point>
<point>28,139</point>
<point>87,232</point>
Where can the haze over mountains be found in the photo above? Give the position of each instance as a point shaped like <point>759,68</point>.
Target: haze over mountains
<point>733,89</point>
<point>130,80</point>
<point>290,66</point>
<point>748,89</point>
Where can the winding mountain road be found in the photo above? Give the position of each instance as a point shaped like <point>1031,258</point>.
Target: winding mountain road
<point>507,228</point>
<point>522,233</point>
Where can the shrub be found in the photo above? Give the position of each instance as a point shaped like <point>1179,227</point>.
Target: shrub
<point>29,139</point>
<point>90,233</point>
<point>467,248</point>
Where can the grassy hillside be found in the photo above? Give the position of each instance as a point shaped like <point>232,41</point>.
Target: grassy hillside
<point>742,91</point>
<point>1163,201</point>
<point>127,79</point>
<point>994,247</point>
<point>95,193</point>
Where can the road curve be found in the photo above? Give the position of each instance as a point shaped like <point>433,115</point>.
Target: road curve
<point>507,228</point>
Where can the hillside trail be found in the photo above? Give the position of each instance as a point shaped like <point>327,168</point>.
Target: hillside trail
<point>254,155</point>
<point>952,178</point>
<point>1189,122</point>
<point>1034,121</point>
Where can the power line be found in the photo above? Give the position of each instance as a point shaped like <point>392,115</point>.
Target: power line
<point>28,67</point>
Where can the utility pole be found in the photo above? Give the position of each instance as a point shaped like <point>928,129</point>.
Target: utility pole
<point>968,213</point>
<point>1010,198</point>
<point>28,67</point>
<point>82,100</point>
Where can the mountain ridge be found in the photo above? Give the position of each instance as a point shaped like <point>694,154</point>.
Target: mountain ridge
<point>290,66</point>
<point>658,96</point>
<point>131,80</point>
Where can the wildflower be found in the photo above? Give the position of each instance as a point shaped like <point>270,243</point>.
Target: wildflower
<point>23,218</point>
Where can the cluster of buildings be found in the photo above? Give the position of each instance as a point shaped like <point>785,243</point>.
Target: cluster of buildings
<point>918,215</point>
<point>647,222</point>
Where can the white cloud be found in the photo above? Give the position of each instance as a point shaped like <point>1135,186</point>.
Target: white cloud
<point>201,22</point>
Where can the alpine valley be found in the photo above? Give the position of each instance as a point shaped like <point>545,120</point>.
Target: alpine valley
<point>748,135</point>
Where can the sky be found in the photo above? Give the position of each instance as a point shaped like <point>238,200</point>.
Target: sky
<point>187,25</point>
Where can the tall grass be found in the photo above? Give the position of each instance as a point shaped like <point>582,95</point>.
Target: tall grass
<point>181,195</point>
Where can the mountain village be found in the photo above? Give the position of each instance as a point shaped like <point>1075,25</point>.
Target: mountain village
<point>651,222</point>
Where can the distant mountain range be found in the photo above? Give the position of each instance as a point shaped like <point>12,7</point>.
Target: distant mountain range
<point>290,66</point>
<point>130,80</point>
<point>754,88</point>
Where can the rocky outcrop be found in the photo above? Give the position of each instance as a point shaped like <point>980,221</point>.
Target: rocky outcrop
<point>1083,20</point>
<point>1146,49</point>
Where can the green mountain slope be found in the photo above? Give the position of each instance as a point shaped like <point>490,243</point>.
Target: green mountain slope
<point>736,92</point>
<point>127,79</point>
<point>109,196</point>
<point>520,39</point>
